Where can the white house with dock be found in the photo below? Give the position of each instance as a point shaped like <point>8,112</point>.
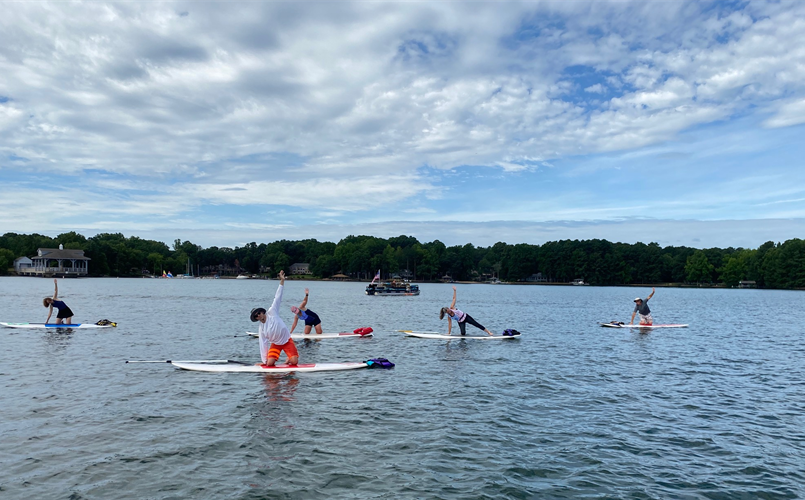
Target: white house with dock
<point>49,262</point>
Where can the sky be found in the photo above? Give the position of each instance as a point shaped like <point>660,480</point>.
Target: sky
<point>222,123</point>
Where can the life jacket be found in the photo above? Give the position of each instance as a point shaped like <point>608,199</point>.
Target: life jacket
<point>105,322</point>
<point>379,363</point>
<point>509,332</point>
<point>363,331</point>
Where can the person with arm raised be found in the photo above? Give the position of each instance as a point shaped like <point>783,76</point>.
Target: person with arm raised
<point>275,337</point>
<point>310,318</point>
<point>460,317</point>
<point>65,314</point>
<point>641,307</point>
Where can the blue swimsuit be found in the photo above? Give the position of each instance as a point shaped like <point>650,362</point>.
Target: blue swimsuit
<point>309,317</point>
<point>64,311</point>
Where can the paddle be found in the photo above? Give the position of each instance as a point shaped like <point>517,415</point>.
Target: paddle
<point>192,361</point>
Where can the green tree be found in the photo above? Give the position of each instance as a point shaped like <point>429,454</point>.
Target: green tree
<point>282,263</point>
<point>6,260</point>
<point>698,268</point>
<point>735,268</point>
<point>389,261</point>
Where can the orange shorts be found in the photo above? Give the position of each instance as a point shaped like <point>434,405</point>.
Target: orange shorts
<point>289,348</point>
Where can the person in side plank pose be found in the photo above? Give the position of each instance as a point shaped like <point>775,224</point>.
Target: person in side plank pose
<point>65,314</point>
<point>641,307</point>
<point>461,318</point>
<point>310,318</point>
<point>274,335</point>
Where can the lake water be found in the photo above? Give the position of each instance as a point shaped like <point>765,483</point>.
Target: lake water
<point>570,410</point>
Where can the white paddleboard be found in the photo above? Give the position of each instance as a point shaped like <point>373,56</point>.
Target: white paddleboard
<point>615,325</point>
<point>238,368</point>
<point>53,325</point>
<point>314,336</point>
<point>437,335</point>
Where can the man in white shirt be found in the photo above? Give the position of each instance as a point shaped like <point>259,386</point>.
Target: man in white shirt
<point>274,335</point>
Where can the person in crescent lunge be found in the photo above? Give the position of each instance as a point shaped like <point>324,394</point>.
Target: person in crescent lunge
<point>461,318</point>
<point>310,318</point>
<point>641,307</point>
<point>274,335</point>
<point>65,314</point>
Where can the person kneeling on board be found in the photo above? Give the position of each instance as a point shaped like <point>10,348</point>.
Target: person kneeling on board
<point>641,307</point>
<point>310,318</point>
<point>274,335</point>
<point>65,314</point>
<point>461,318</point>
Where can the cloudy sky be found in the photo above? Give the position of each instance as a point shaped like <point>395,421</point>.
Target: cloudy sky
<point>223,123</point>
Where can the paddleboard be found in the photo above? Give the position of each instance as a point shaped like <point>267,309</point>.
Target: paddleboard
<point>437,335</point>
<point>614,325</point>
<point>314,336</point>
<point>239,368</point>
<point>53,325</point>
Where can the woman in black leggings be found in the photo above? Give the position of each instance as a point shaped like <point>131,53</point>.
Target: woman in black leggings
<point>461,318</point>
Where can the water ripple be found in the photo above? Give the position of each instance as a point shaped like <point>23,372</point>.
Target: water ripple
<point>570,410</point>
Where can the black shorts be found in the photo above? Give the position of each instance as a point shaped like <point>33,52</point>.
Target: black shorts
<point>312,318</point>
<point>64,313</point>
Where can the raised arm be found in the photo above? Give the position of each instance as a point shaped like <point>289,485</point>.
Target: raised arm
<point>453,304</point>
<point>304,302</point>
<point>651,294</point>
<point>275,306</point>
<point>56,289</point>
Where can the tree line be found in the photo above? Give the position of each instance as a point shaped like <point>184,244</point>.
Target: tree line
<point>598,262</point>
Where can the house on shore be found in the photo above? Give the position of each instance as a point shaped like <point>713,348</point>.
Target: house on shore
<point>300,268</point>
<point>22,263</point>
<point>57,262</point>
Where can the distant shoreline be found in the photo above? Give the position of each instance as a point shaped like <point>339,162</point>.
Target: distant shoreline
<point>527,283</point>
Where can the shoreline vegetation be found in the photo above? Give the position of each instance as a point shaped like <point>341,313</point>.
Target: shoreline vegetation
<point>357,258</point>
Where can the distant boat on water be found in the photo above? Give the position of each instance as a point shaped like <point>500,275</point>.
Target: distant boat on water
<point>401,288</point>
<point>188,275</point>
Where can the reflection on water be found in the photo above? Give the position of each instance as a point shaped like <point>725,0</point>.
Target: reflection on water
<point>280,387</point>
<point>58,338</point>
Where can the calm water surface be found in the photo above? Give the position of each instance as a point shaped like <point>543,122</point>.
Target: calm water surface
<point>570,410</point>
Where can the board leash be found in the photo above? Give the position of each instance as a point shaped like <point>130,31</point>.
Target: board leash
<point>189,361</point>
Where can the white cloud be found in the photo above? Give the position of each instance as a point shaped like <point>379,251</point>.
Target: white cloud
<point>171,85</point>
<point>788,113</point>
<point>344,195</point>
<point>10,117</point>
<point>183,105</point>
